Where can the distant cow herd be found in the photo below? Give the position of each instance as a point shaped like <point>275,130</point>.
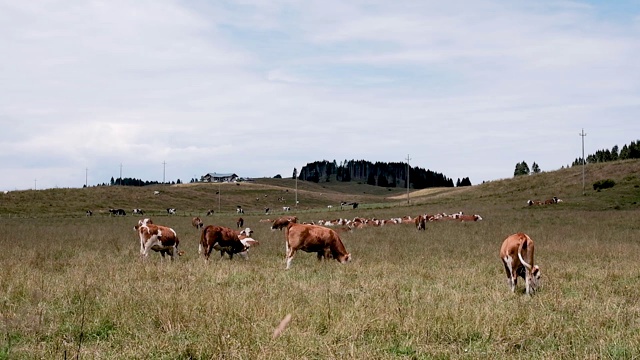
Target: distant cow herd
<point>322,238</point>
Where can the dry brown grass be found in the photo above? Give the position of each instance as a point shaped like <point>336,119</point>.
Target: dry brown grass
<point>73,286</point>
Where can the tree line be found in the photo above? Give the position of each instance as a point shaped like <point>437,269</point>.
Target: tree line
<point>631,151</point>
<point>393,174</point>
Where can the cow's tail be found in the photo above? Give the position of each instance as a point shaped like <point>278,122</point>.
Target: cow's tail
<point>522,246</point>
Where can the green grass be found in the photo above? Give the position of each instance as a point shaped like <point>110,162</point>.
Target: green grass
<point>74,286</point>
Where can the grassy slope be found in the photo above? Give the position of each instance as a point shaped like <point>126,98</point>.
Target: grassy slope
<point>196,199</point>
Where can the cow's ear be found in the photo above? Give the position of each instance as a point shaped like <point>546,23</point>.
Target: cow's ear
<point>536,270</point>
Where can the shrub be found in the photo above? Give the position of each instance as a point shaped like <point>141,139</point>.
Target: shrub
<point>603,184</point>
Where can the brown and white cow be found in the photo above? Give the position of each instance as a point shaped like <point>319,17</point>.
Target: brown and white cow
<point>221,239</point>
<point>468,218</point>
<point>158,238</point>
<point>516,254</point>
<point>314,238</point>
<point>197,223</point>
<point>240,223</point>
<point>421,222</point>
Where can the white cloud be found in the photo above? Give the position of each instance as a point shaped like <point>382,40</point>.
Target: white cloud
<point>258,88</point>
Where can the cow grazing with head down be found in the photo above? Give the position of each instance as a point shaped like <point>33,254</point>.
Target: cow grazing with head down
<point>137,211</point>
<point>197,223</point>
<point>118,212</point>
<point>516,254</point>
<point>282,222</point>
<point>222,239</point>
<point>157,238</point>
<point>314,238</point>
<point>210,212</point>
<point>171,211</point>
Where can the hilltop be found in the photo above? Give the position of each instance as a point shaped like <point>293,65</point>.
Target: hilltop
<point>254,196</point>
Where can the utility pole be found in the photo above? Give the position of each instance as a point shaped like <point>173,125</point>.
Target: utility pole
<point>408,183</point>
<point>219,191</point>
<point>35,182</point>
<point>120,173</point>
<point>164,166</point>
<point>86,177</point>
<point>296,190</point>
<point>584,161</point>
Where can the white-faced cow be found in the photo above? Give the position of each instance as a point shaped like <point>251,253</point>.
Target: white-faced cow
<point>171,211</point>
<point>137,211</point>
<point>197,223</point>
<point>516,254</point>
<point>221,239</point>
<point>325,242</point>
<point>157,238</point>
<point>118,212</point>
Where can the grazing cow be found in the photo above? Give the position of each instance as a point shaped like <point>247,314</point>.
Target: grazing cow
<point>137,211</point>
<point>210,212</point>
<point>118,212</point>
<point>221,239</point>
<point>421,222</point>
<point>89,213</point>
<point>286,208</point>
<point>282,222</point>
<point>239,210</point>
<point>171,211</point>
<point>516,254</point>
<point>329,207</point>
<point>314,238</point>
<point>197,223</point>
<point>156,192</point>
<point>534,202</point>
<point>266,211</point>
<point>157,238</point>
<point>240,223</point>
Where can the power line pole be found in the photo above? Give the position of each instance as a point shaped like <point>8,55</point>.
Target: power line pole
<point>584,161</point>
<point>35,182</point>
<point>296,204</point>
<point>86,177</point>
<point>120,173</point>
<point>164,166</point>
<point>408,183</point>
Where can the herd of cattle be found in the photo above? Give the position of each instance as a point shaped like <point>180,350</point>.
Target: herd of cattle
<point>516,252</point>
<point>322,237</point>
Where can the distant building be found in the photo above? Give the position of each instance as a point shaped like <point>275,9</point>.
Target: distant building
<point>215,177</point>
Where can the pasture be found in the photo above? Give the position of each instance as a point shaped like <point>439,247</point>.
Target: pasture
<point>74,287</point>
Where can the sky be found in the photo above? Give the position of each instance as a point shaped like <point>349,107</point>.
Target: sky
<point>166,90</point>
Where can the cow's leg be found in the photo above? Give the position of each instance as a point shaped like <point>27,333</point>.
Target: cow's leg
<point>511,275</point>
<point>290,254</point>
<point>200,249</point>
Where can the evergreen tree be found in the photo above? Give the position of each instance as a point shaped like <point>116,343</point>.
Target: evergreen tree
<point>535,168</point>
<point>371,180</point>
<point>521,169</point>
<point>295,173</point>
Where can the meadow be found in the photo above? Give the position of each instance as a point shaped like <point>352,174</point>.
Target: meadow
<point>74,286</point>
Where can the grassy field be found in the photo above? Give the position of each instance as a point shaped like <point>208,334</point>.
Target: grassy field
<point>74,287</point>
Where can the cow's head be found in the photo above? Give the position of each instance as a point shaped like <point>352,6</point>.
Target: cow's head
<point>345,258</point>
<point>535,281</point>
